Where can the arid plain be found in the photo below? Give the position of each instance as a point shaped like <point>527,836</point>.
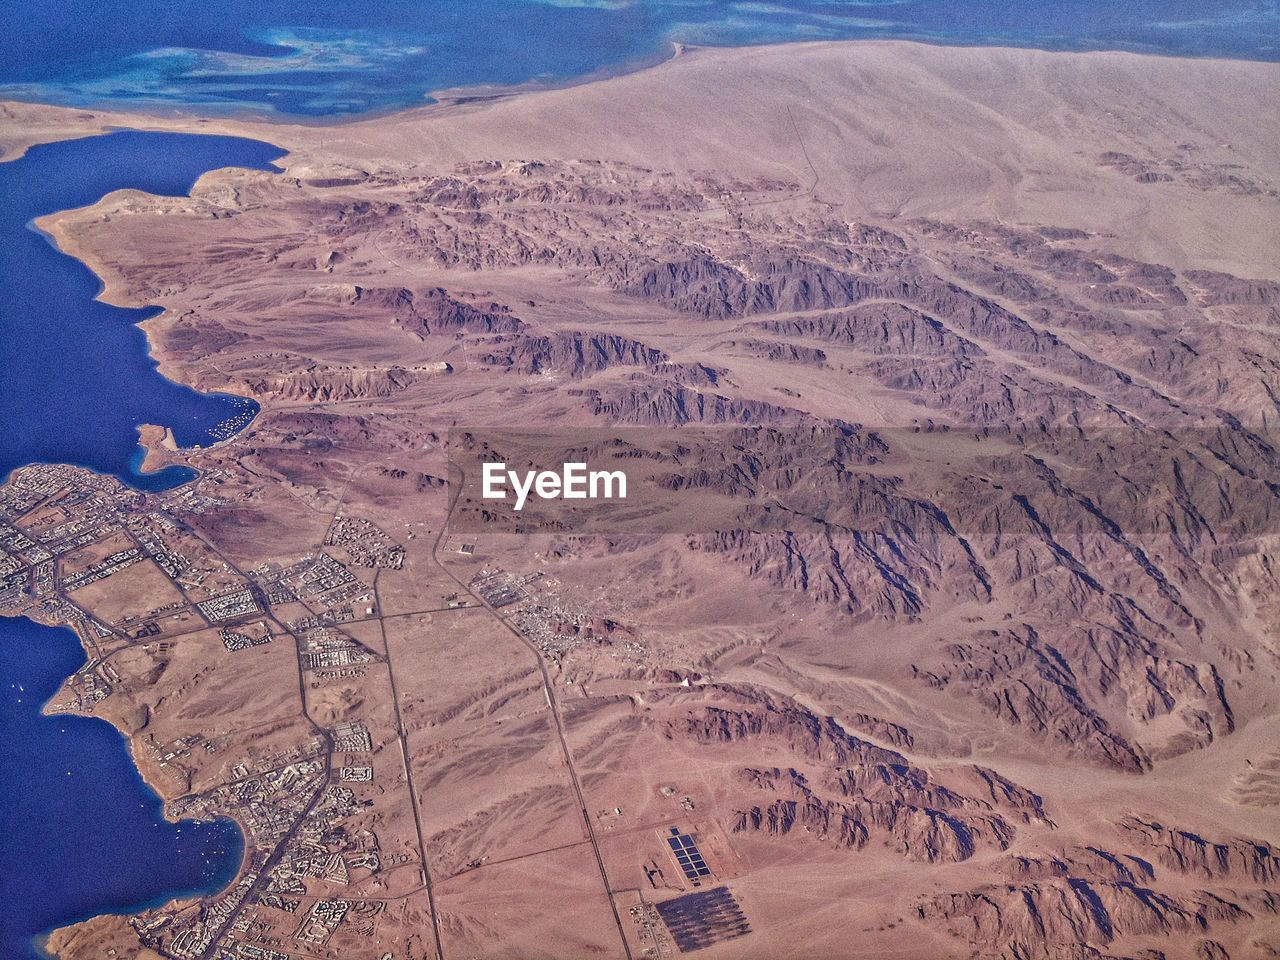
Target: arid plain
<point>1021,706</point>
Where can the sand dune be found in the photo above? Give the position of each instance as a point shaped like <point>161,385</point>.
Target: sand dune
<point>955,705</point>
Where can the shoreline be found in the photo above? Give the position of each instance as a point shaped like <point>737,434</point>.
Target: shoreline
<point>158,442</point>
<point>304,145</point>
<point>157,445</point>
<point>106,116</point>
<point>101,236</point>
<point>187,118</point>
<point>157,450</point>
<point>668,48</point>
<point>41,941</point>
<point>999,88</point>
<point>303,150</point>
<point>438,98</point>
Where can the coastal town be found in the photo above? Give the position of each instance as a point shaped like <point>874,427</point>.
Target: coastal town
<point>326,863</point>
<point>938,620</point>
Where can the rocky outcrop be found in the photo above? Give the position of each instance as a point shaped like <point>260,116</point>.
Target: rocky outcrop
<point>1089,862</point>
<point>894,734</point>
<point>922,834</point>
<point>878,328</point>
<point>1004,794</point>
<point>416,481</point>
<point>776,351</point>
<point>1219,289</point>
<point>320,383</point>
<point>1072,917</point>
<point>666,404</point>
<point>1028,684</point>
<point>799,731</point>
<point>1057,690</point>
<point>699,283</point>
<point>697,375</point>
<point>1186,852</point>
<point>435,312</point>
<point>860,573</point>
<point>572,354</point>
<point>854,792</point>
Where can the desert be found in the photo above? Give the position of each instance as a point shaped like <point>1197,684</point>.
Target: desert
<point>955,634</point>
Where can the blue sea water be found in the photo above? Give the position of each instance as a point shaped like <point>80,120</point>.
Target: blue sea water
<point>327,59</point>
<point>78,379</point>
<point>83,833</point>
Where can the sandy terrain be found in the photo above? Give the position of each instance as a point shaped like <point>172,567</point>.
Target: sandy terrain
<point>992,331</point>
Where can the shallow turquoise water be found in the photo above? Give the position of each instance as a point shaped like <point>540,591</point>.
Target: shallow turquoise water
<point>327,59</point>
<point>83,833</point>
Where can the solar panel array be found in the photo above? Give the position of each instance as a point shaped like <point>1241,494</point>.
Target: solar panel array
<point>688,856</point>
<point>698,920</point>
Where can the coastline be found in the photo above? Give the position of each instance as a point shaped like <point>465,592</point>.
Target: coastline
<point>46,943</point>
<point>157,447</point>
<point>306,148</point>
<point>61,227</point>
<point>65,122</point>
<point>666,48</point>
<point>101,118</point>
<point>28,123</point>
<point>971,94</point>
<point>158,443</point>
<point>58,228</point>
